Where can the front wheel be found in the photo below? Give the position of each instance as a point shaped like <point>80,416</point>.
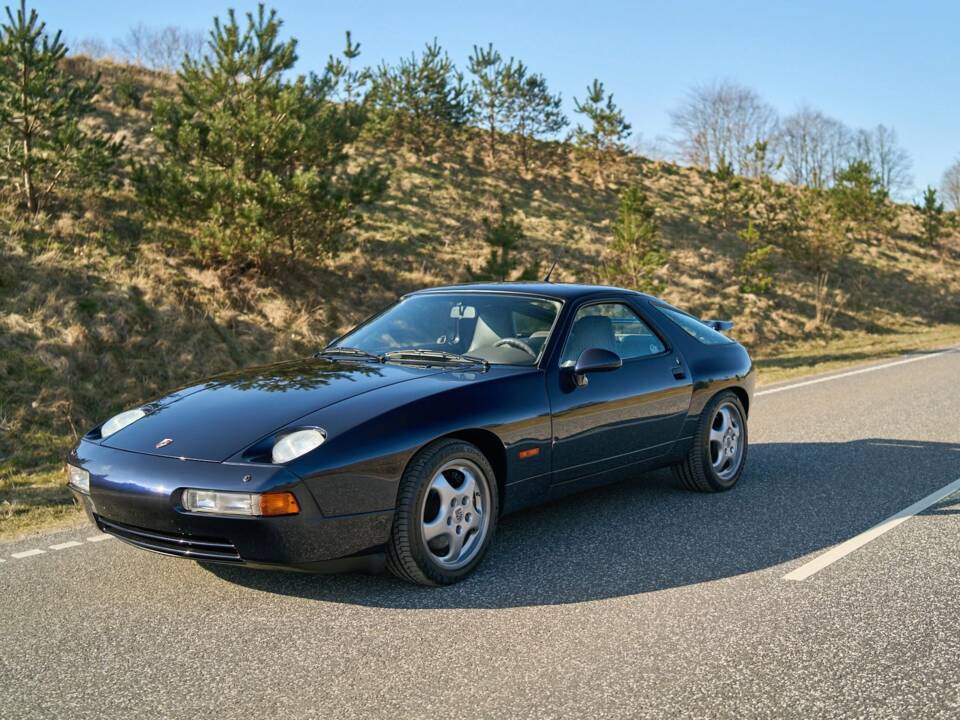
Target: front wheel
<point>446,514</point>
<point>719,451</point>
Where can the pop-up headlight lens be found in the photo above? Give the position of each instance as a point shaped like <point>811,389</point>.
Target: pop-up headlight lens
<point>119,422</point>
<point>297,443</point>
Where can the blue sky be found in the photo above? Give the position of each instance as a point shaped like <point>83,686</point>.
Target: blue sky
<point>861,62</point>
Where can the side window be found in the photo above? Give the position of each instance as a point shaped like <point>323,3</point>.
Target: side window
<point>693,327</point>
<point>611,326</point>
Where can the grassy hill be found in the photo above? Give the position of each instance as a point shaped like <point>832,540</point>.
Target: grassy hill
<point>100,310</point>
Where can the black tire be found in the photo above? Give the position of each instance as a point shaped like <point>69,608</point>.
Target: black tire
<point>408,554</point>
<point>696,472</point>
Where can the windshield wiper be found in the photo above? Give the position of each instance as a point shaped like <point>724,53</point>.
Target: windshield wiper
<point>421,356</point>
<point>348,352</point>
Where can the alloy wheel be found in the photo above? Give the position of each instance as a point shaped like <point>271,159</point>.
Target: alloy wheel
<point>455,514</point>
<point>726,441</point>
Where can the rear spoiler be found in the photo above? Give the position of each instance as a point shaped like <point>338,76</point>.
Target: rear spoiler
<point>718,325</point>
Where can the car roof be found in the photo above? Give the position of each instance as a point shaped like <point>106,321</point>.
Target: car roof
<point>559,291</point>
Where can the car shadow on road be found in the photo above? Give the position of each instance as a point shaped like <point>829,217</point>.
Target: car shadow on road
<point>646,533</point>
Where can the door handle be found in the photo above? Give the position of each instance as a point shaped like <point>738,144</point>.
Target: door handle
<point>679,373</point>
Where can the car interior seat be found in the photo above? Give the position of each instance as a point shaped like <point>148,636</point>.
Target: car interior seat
<point>590,331</point>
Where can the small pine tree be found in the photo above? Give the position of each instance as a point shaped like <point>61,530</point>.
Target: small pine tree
<point>503,233</point>
<point>636,251</point>
<point>350,83</point>
<point>755,265</point>
<point>602,140</point>
<point>42,145</point>
<point>535,113</point>
<point>819,247</point>
<point>420,102</point>
<point>257,159</point>
<point>763,164</point>
<point>491,93</point>
<point>931,217</point>
<point>725,197</point>
<point>772,207</point>
<point>860,202</point>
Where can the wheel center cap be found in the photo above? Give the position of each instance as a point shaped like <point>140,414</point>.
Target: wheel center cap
<point>458,515</point>
<point>729,443</point>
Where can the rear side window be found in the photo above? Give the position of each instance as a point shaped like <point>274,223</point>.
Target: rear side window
<point>693,327</point>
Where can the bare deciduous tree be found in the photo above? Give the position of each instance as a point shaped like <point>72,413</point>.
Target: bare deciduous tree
<point>92,47</point>
<point>725,121</point>
<point>950,186</point>
<point>160,49</point>
<point>814,148</point>
<point>658,147</point>
<point>890,161</point>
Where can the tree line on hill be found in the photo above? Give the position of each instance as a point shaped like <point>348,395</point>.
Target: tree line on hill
<point>260,161</point>
<point>724,121</point>
<point>722,118</point>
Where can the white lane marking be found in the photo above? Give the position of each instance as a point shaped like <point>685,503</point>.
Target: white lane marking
<point>858,541</point>
<point>65,545</point>
<point>27,553</point>
<point>900,445</point>
<point>872,368</point>
<point>59,546</point>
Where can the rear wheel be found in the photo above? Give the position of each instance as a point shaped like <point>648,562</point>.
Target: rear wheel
<point>719,451</point>
<point>446,514</point>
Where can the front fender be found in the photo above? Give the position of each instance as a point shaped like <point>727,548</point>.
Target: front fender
<point>373,436</point>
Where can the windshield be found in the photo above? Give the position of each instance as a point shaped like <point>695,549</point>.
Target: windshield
<point>501,328</point>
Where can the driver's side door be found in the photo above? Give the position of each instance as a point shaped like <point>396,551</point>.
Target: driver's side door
<point>619,417</point>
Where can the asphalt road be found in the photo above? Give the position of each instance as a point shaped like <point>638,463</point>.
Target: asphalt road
<point>637,600</point>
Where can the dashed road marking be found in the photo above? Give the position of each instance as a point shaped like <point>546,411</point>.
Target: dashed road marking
<point>65,545</point>
<point>58,546</point>
<point>858,541</point>
<point>872,368</point>
<point>27,553</point>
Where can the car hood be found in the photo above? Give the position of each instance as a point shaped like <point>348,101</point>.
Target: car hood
<point>218,418</point>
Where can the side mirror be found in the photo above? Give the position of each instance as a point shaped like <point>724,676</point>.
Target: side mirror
<point>594,360</point>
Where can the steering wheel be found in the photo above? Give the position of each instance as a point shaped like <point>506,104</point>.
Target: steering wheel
<point>516,344</point>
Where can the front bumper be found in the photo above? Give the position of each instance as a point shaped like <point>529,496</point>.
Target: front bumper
<point>135,497</point>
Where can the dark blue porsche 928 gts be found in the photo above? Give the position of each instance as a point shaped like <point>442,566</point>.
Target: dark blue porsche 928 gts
<point>407,438</point>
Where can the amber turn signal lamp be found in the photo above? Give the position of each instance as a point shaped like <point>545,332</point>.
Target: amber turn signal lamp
<point>279,503</point>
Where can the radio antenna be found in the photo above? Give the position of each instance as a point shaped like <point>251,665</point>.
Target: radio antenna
<point>550,272</point>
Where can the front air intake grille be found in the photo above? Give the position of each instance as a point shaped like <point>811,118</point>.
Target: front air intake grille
<point>188,546</point>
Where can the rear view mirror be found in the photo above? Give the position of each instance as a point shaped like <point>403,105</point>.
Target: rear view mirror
<point>594,360</point>
<point>463,311</point>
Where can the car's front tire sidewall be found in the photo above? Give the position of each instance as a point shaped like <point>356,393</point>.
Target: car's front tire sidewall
<point>407,556</point>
